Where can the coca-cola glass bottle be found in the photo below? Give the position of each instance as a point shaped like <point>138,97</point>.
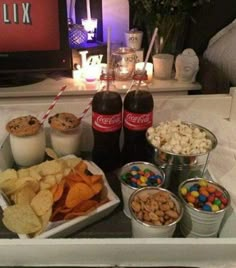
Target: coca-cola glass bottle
<point>137,118</point>
<point>107,125</point>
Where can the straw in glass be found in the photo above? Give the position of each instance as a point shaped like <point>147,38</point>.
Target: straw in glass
<point>108,53</point>
<point>148,54</point>
<point>53,104</point>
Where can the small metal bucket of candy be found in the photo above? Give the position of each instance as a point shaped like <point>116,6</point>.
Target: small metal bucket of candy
<point>205,203</point>
<point>181,149</point>
<point>155,212</point>
<point>135,175</point>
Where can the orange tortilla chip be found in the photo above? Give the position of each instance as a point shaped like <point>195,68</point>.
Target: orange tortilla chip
<point>82,209</point>
<point>96,178</point>
<point>72,176</point>
<point>77,193</point>
<point>85,205</point>
<point>70,183</point>
<point>72,215</point>
<point>59,191</point>
<point>97,187</point>
<point>81,167</point>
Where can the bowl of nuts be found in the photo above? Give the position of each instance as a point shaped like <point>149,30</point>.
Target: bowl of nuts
<point>155,212</point>
<point>181,149</point>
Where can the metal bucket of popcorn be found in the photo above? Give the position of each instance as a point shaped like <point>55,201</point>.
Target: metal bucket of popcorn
<point>181,149</point>
<point>155,212</point>
<point>205,203</point>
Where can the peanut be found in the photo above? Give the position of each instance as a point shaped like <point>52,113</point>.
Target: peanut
<point>156,209</point>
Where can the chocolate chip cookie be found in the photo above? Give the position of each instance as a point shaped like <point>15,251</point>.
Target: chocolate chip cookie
<point>23,126</point>
<point>63,121</point>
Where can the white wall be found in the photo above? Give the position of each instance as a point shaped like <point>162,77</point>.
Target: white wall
<point>115,16</point>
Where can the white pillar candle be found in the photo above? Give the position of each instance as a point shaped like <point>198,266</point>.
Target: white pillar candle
<point>148,68</point>
<point>77,74</point>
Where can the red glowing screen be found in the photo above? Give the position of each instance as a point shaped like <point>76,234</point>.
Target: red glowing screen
<point>29,25</point>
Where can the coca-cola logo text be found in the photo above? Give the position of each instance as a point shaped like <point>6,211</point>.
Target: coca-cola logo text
<point>106,122</point>
<point>113,120</point>
<point>136,121</point>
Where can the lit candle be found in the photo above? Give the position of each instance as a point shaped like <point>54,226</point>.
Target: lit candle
<point>91,75</point>
<point>77,74</point>
<point>90,25</point>
<point>123,71</point>
<point>148,68</point>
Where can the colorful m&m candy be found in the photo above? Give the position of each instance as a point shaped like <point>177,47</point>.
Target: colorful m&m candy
<point>138,177</point>
<point>204,195</point>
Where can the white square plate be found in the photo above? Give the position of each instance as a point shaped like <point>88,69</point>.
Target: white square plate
<point>62,229</point>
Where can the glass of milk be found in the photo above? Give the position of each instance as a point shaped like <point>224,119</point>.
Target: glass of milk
<point>66,142</point>
<point>28,150</point>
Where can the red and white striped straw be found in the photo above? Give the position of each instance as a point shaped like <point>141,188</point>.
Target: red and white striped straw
<point>87,108</point>
<point>53,104</point>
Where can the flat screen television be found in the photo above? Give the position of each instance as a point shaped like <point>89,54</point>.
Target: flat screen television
<point>33,40</point>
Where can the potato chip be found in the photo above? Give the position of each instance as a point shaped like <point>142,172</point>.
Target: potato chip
<point>22,182</point>
<point>7,175</point>
<point>50,167</point>
<point>44,186</point>
<point>42,202</point>
<point>51,153</point>
<point>34,173</point>
<point>21,219</point>
<point>72,162</point>
<point>50,179</point>
<point>7,185</point>
<point>23,172</point>
<point>78,192</point>
<point>66,171</point>
<point>24,196</point>
<point>59,177</point>
<point>44,221</point>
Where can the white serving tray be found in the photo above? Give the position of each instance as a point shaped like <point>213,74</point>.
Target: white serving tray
<point>115,252</point>
<point>64,228</point>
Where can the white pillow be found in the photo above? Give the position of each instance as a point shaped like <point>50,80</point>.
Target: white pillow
<point>221,51</point>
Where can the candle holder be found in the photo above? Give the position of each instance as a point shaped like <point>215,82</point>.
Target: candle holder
<point>123,62</point>
<point>90,25</point>
<point>77,35</point>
